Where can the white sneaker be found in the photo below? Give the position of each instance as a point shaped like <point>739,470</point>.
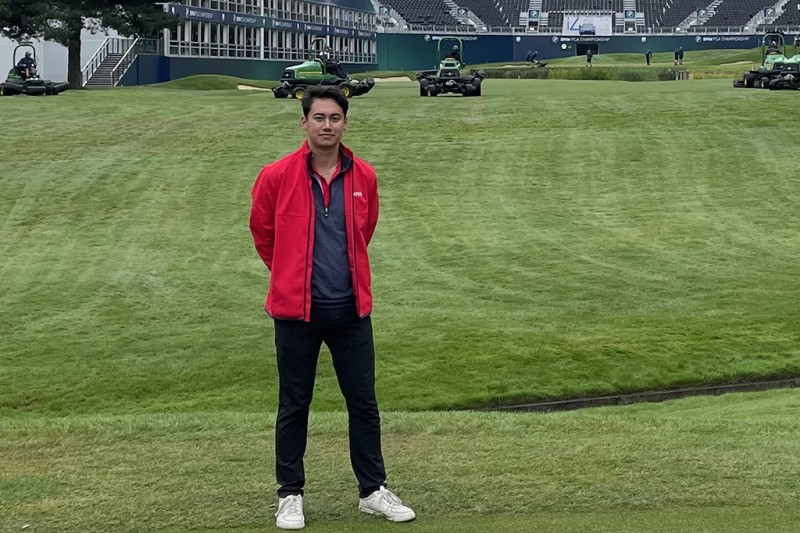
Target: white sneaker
<point>384,502</point>
<point>290,513</point>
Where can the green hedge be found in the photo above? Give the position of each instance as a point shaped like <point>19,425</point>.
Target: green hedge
<point>584,73</point>
<point>711,74</point>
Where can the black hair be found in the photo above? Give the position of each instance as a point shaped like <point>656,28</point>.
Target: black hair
<point>322,92</point>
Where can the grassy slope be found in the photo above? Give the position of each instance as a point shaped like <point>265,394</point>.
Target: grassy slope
<point>212,82</point>
<point>548,239</point>
<point>702,63</point>
<point>692,59</point>
<point>724,464</point>
<point>651,242</point>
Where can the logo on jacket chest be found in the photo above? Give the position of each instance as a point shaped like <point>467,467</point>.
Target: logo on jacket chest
<point>357,194</point>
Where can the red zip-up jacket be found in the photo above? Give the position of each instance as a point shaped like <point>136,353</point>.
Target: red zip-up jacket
<point>282,224</point>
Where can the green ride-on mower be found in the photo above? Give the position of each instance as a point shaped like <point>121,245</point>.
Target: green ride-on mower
<point>774,65</point>
<point>789,79</point>
<point>24,79</point>
<point>449,76</point>
<point>319,70</point>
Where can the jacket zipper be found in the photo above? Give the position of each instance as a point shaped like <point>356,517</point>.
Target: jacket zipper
<point>353,243</point>
<point>306,289</point>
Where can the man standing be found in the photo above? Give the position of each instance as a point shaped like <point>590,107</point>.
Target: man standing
<point>648,56</point>
<point>313,214</point>
<point>589,55</point>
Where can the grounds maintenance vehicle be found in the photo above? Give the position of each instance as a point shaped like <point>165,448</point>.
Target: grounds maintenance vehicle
<point>774,64</point>
<point>19,81</point>
<point>448,77</point>
<point>789,79</point>
<point>319,70</point>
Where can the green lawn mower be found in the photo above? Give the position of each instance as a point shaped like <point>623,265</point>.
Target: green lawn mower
<point>775,65</point>
<point>24,79</point>
<point>319,70</point>
<point>449,76</point>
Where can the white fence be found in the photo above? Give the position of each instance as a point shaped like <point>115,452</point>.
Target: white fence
<point>52,57</point>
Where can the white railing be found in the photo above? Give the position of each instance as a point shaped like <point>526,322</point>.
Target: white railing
<point>122,65</point>
<point>112,45</point>
<point>139,46</point>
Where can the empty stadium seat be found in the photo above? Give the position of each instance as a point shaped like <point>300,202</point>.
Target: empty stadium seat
<point>505,13</point>
<point>736,12</point>
<point>425,12</point>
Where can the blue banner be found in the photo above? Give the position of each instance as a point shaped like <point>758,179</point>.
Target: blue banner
<point>285,24</point>
<point>238,19</point>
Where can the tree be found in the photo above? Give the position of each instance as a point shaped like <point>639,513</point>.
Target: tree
<point>62,21</point>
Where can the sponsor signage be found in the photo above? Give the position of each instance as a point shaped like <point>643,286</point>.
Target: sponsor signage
<point>227,17</point>
<point>581,39</point>
<point>200,14</point>
<point>587,25</point>
<point>284,24</point>
<point>430,37</point>
<point>533,14</point>
<point>722,38</point>
<point>630,14</point>
<point>248,20</point>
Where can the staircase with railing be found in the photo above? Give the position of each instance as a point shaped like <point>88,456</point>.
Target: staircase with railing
<point>115,47</point>
<point>108,65</point>
<point>139,46</point>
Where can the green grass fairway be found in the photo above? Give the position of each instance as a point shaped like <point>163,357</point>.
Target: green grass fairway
<point>546,240</point>
<point>549,239</point>
<point>702,63</point>
<point>734,60</point>
<point>725,464</point>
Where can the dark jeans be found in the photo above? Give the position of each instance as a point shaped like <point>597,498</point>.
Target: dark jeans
<point>298,343</point>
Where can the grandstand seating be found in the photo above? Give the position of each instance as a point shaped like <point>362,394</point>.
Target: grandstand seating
<point>423,11</point>
<point>737,12</point>
<point>556,9</point>
<point>657,13</point>
<point>667,13</point>
<point>583,6</point>
<point>555,20</point>
<point>505,13</point>
<point>790,16</point>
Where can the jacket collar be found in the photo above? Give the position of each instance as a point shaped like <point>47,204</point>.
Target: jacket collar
<point>306,150</point>
<point>346,156</point>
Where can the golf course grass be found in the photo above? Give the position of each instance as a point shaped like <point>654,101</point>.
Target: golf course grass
<point>550,239</point>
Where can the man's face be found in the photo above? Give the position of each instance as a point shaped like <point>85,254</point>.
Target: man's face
<point>325,124</point>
